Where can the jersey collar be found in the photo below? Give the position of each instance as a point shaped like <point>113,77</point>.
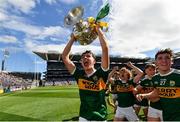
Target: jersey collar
<point>147,77</point>
<point>171,70</point>
<point>88,75</point>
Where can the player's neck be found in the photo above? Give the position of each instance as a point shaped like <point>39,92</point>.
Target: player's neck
<point>164,72</point>
<point>124,80</point>
<point>90,71</point>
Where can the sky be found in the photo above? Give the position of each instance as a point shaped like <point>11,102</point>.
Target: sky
<point>137,28</point>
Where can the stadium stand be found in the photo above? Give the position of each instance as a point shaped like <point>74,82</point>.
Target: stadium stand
<point>56,72</point>
<point>12,81</point>
<point>176,63</point>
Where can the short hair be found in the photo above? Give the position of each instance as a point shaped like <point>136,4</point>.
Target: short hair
<point>88,51</point>
<point>162,51</point>
<point>150,65</point>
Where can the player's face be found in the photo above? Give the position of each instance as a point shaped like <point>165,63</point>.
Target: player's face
<point>87,61</point>
<point>164,63</point>
<point>124,75</point>
<point>150,71</point>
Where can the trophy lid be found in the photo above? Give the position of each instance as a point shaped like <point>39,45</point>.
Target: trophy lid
<point>74,15</point>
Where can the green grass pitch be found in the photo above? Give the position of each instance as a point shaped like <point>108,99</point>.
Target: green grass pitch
<point>54,103</point>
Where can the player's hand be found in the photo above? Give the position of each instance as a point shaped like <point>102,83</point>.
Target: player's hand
<point>108,91</point>
<point>98,29</point>
<point>139,97</point>
<point>115,68</point>
<point>134,91</point>
<point>73,37</point>
<point>129,64</point>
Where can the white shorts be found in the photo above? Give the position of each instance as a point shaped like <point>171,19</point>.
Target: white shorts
<point>154,113</point>
<point>127,112</point>
<point>81,119</point>
<point>136,106</point>
<point>114,96</point>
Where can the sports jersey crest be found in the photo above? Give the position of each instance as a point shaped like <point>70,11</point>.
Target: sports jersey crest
<point>172,83</point>
<point>146,84</point>
<point>126,85</point>
<point>151,83</point>
<point>95,78</point>
<point>156,82</point>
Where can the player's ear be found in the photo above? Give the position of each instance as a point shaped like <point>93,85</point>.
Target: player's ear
<point>156,63</point>
<point>94,61</point>
<point>172,61</point>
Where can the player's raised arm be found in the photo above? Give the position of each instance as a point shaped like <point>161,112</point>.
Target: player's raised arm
<point>138,71</point>
<point>105,49</point>
<point>110,76</point>
<point>65,55</point>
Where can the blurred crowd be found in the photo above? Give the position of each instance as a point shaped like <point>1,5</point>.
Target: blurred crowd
<point>9,82</point>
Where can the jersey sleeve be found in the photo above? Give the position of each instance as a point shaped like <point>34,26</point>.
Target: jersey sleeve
<point>142,83</point>
<point>76,74</point>
<point>131,81</point>
<point>104,74</point>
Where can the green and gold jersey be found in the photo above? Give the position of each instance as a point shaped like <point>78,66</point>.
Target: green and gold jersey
<point>147,85</point>
<point>113,86</point>
<point>168,86</point>
<point>124,93</point>
<point>92,94</point>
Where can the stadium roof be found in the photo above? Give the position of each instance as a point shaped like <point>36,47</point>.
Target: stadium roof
<point>50,56</point>
<point>55,56</point>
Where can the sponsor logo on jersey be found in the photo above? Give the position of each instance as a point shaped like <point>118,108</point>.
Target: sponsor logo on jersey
<point>146,90</point>
<point>124,88</point>
<point>91,85</point>
<point>169,92</point>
